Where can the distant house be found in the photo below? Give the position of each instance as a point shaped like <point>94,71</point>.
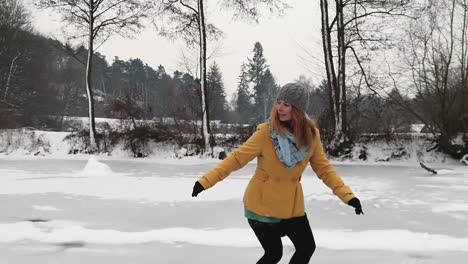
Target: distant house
<point>9,115</point>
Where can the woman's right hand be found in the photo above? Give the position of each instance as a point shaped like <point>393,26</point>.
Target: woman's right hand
<point>197,188</point>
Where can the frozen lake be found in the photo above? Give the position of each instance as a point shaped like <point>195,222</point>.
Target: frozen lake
<point>141,211</point>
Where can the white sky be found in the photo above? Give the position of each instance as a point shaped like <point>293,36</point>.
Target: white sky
<point>284,40</point>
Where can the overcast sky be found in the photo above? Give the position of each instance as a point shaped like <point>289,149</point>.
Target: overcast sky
<point>292,43</point>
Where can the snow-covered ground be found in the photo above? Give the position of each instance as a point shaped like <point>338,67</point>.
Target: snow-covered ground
<point>17,143</point>
<point>58,210</point>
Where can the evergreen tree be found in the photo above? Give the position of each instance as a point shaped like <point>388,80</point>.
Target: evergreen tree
<point>151,79</point>
<point>165,93</point>
<point>100,78</point>
<point>216,93</point>
<point>180,105</point>
<point>73,86</point>
<point>119,78</point>
<point>244,105</point>
<point>269,89</point>
<point>191,99</point>
<point>137,79</point>
<point>257,66</point>
<point>256,70</point>
<point>161,72</point>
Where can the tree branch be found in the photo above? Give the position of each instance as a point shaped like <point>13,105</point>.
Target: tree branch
<point>362,68</point>
<point>189,7</point>
<point>374,13</point>
<point>68,50</point>
<point>108,8</point>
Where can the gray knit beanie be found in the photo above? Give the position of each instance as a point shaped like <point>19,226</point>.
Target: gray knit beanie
<point>295,94</point>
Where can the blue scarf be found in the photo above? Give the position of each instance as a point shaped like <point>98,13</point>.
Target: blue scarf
<point>286,149</point>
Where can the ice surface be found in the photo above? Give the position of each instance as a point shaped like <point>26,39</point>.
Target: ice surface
<point>125,211</point>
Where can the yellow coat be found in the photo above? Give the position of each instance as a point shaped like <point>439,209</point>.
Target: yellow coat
<point>274,190</point>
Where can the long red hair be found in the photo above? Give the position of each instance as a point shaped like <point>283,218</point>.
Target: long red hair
<point>300,125</point>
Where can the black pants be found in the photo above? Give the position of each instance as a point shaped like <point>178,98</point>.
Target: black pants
<point>297,229</point>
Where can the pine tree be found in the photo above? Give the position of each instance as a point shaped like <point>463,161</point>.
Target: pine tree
<point>256,70</point>
<point>119,78</point>
<point>269,89</point>
<point>191,98</point>
<point>136,72</point>
<point>257,65</point>
<point>165,93</point>
<point>216,93</point>
<point>244,106</point>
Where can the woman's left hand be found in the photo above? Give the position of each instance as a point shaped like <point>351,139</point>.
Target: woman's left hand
<point>197,188</point>
<point>354,202</point>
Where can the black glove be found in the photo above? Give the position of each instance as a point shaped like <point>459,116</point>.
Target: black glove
<point>197,188</point>
<point>357,205</point>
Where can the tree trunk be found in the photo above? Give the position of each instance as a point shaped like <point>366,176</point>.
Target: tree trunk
<point>10,73</point>
<point>66,101</point>
<point>89,92</point>
<point>328,58</point>
<point>341,87</point>
<point>206,133</point>
<point>465,112</point>
<point>103,83</point>
<point>464,73</point>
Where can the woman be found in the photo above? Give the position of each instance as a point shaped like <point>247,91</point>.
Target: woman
<point>274,200</point>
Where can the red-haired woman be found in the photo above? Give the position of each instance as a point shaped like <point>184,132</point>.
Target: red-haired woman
<point>274,200</point>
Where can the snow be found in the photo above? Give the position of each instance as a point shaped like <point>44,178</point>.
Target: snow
<point>450,208</point>
<point>111,208</point>
<point>91,207</point>
<point>445,171</point>
<point>395,240</point>
<point>45,208</point>
<point>16,144</point>
<point>464,159</point>
<point>458,140</point>
<point>416,128</point>
<point>96,168</point>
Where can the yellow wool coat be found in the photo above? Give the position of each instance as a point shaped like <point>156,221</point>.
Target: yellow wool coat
<point>274,190</point>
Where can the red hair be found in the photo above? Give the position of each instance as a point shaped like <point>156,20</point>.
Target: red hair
<point>302,127</point>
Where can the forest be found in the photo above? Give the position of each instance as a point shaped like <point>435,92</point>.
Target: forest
<point>45,83</point>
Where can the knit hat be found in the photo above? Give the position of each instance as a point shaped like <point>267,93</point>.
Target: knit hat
<point>294,94</point>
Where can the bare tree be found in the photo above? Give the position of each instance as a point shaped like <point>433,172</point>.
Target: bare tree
<point>430,50</point>
<point>97,20</point>
<point>329,63</point>
<point>353,28</point>
<point>186,19</point>
<point>13,20</point>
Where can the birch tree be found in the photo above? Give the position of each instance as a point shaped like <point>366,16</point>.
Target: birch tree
<point>96,21</point>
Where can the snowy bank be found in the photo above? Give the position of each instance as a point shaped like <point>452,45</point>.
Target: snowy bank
<point>24,142</point>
